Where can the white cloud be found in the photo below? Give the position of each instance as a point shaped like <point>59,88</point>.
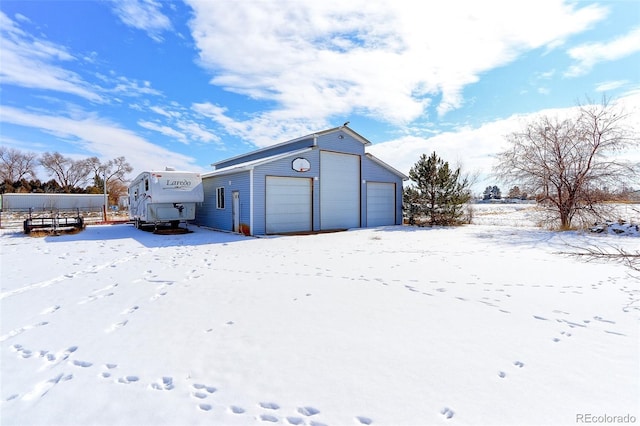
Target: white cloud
<point>145,15</point>
<point>125,86</point>
<point>35,63</point>
<point>475,148</point>
<point>182,124</point>
<point>164,112</point>
<point>100,138</point>
<point>165,130</point>
<point>386,60</point>
<point>589,54</point>
<point>20,17</point>
<point>611,85</point>
<point>197,131</point>
<point>264,130</point>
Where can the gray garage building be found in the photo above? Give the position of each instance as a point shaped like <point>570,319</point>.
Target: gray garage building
<point>319,182</point>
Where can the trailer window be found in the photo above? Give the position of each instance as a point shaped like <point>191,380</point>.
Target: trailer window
<point>220,197</point>
<point>146,184</point>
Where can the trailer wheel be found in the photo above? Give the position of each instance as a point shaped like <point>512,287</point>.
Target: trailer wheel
<point>175,223</point>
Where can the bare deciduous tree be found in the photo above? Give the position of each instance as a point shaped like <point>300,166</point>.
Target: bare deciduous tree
<point>67,172</point>
<point>112,172</point>
<point>565,161</point>
<point>16,165</point>
<point>616,254</point>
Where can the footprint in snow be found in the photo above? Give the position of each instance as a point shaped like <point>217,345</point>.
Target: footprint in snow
<point>518,364</point>
<point>116,326</point>
<point>50,310</point>
<point>42,388</point>
<point>447,412</point>
<point>106,374</point>
<point>158,295</point>
<point>308,411</point>
<point>364,420</point>
<point>166,384</point>
<point>22,352</point>
<point>200,386</point>
<point>236,410</point>
<point>130,310</point>
<point>21,330</point>
<point>61,357</point>
<point>46,355</point>
<point>269,405</point>
<point>128,379</point>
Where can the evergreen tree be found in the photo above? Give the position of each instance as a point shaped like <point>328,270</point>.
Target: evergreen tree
<point>440,191</point>
<point>492,193</point>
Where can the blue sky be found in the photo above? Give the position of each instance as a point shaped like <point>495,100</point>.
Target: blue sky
<point>186,84</point>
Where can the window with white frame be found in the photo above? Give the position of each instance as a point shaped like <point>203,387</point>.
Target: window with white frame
<point>220,197</point>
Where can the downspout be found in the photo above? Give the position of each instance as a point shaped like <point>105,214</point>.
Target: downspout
<point>251,201</point>
<point>313,190</point>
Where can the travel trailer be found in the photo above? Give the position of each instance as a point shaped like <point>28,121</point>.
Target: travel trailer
<point>164,197</point>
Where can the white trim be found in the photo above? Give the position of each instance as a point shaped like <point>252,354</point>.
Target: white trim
<point>251,201</point>
<point>386,166</point>
<point>313,136</point>
<point>219,200</point>
<point>249,165</point>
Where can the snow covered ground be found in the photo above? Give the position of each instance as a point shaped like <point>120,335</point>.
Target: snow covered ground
<point>484,324</point>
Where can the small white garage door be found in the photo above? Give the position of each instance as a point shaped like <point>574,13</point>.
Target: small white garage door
<point>339,190</point>
<point>381,204</point>
<point>288,204</point>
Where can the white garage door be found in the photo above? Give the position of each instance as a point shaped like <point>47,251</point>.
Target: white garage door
<point>339,190</point>
<point>381,204</point>
<point>288,204</point>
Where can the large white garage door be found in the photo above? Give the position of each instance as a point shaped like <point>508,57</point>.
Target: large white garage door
<point>288,204</point>
<point>381,204</point>
<point>339,190</point>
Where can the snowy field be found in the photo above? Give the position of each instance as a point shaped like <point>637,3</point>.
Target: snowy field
<point>486,324</point>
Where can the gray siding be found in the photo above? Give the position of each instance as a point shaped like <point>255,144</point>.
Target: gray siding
<point>332,142</point>
<point>267,152</point>
<point>339,141</point>
<point>374,172</point>
<point>209,215</point>
<point>282,167</point>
